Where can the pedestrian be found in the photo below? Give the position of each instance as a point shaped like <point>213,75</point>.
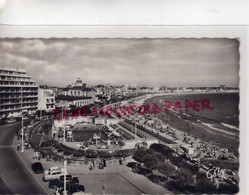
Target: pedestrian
<point>18,147</point>
<point>57,191</point>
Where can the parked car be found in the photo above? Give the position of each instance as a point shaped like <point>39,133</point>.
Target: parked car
<point>75,180</point>
<point>54,174</point>
<point>27,146</point>
<point>55,168</point>
<point>37,167</point>
<point>36,155</point>
<point>73,189</point>
<point>53,183</point>
<point>25,118</point>
<point>10,120</point>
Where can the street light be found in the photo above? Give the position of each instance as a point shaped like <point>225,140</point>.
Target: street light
<point>65,171</point>
<point>65,161</point>
<point>103,188</point>
<point>63,126</point>
<point>22,150</point>
<point>135,129</point>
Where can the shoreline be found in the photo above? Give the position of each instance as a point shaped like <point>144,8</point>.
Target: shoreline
<point>194,124</point>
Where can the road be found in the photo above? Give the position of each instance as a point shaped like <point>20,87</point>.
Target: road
<point>14,177</point>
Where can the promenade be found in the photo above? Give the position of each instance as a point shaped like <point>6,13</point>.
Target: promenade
<point>118,179</point>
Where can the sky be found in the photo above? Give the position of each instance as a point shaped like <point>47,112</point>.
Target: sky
<point>166,62</point>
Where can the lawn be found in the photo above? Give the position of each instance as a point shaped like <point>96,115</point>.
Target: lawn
<point>86,135</point>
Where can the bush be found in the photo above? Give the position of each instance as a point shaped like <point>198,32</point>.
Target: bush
<point>78,153</point>
<point>59,150</point>
<point>228,189</point>
<point>55,158</point>
<point>124,153</point>
<point>150,161</point>
<point>66,153</point>
<point>139,155</point>
<point>91,154</point>
<point>103,154</point>
<point>165,150</point>
<point>49,143</point>
<point>66,148</point>
<point>143,171</point>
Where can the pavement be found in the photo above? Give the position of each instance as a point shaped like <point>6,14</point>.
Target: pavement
<point>117,179</point>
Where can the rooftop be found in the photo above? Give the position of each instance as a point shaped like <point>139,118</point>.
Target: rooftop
<point>13,69</point>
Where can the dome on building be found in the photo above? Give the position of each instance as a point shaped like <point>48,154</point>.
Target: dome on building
<point>79,80</point>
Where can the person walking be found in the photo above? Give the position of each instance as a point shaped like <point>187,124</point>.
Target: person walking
<point>18,146</point>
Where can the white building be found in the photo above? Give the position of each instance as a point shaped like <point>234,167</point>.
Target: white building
<point>46,99</point>
<point>18,92</point>
<point>83,102</point>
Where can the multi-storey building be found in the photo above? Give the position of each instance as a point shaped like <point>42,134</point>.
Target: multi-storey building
<point>46,99</point>
<point>18,92</point>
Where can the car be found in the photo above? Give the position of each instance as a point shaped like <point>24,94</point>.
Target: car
<point>76,189</point>
<point>37,155</point>
<point>27,146</point>
<point>10,120</point>
<point>75,180</point>
<point>58,183</point>
<point>54,174</point>
<point>37,167</point>
<point>25,118</point>
<point>55,168</point>
<point>73,189</point>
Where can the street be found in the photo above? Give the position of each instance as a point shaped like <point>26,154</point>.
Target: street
<point>15,177</point>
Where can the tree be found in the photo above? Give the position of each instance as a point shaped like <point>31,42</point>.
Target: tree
<point>166,169</point>
<point>150,161</point>
<point>139,155</point>
<point>159,157</point>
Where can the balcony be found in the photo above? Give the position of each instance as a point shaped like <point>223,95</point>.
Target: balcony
<point>29,102</point>
<point>49,103</point>
<point>10,91</point>
<point>30,96</point>
<point>14,75</point>
<point>10,109</point>
<point>10,97</point>
<point>17,79</point>
<point>29,91</point>
<point>30,106</point>
<point>10,103</point>
<point>18,85</point>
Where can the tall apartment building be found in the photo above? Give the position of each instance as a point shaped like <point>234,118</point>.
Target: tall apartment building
<point>17,92</point>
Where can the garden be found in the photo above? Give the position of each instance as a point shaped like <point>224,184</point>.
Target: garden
<point>40,138</point>
<point>161,165</point>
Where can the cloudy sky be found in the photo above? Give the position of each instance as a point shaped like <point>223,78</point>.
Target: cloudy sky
<point>146,62</point>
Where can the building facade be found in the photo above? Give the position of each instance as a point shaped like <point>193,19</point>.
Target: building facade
<point>46,99</point>
<point>79,89</point>
<point>83,102</point>
<point>18,92</point>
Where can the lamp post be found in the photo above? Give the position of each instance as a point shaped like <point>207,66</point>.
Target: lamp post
<point>65,171</point>
<point>103,189</point>
<point>40,113</point>
<point>22,150</point>
<point>135,129</point>
<point>65,160</point>
<point>63,126</point>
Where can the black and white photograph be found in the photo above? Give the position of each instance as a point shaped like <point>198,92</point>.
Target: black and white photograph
<point>119,115</point>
